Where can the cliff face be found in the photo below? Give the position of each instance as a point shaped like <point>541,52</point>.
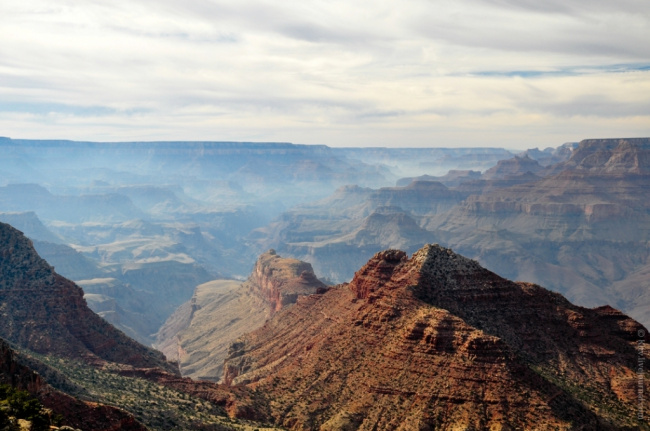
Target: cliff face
<point>418,197</point>
<point>622,156</point>
<point>198,334</point>
<point>46,313</point>
<point>438,342</point>
<point>279,281</point>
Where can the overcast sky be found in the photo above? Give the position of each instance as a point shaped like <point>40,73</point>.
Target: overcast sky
<point>507,73</point>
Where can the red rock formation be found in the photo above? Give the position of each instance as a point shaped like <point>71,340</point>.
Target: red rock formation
<point>279,281</point>
<point>438,342</point>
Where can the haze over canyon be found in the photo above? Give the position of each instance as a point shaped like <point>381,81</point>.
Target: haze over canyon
<point>235,285</point>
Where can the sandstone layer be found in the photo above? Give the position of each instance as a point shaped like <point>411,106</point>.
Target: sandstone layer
<point>438,342</point>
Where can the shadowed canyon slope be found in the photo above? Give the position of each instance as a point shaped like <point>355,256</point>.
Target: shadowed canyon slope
<point>199,333</point>
<point>438,342</point>
<point>103,379</point>
<point>46,313</point>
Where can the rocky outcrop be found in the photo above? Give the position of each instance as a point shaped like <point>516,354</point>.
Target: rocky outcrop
<point>199,333</point>
<point>46,313</point>
<point>435,341</point>
<point>609,156</point>
<point>279,281</point>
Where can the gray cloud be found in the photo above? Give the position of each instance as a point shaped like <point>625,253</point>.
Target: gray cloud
<point>255,68</point>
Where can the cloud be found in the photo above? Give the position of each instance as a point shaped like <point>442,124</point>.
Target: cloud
<point>326,72</point>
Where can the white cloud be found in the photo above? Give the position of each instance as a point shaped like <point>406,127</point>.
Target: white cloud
<point>490,72</point>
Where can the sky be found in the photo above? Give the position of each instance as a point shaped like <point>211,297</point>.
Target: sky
<point>415,73</point>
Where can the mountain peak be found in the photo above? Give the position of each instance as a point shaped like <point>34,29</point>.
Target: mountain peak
<point>434,340</point>
<point>432,267</point>
<point>377,272</point>
<point>434,260</point>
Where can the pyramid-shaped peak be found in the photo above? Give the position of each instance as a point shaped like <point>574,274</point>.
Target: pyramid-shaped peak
<point>432,265</point>
<point>435,259</point>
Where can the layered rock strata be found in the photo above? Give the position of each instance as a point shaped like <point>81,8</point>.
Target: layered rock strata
<point>435,341</point>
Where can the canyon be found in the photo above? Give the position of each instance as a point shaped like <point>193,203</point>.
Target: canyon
<point>250,253</point>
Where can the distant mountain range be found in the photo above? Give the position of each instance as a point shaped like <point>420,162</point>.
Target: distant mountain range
<point>140,224</point>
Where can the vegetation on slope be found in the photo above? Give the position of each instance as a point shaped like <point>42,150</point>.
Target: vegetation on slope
<point>156,406</point>
<point>17,405</point>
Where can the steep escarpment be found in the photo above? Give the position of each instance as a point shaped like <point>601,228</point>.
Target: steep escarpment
<point>46,313</point>
<point>435,341</point>
<point>198,334</point>
<point>622,156</point>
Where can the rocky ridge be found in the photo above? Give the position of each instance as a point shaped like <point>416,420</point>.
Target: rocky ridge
<point>435,341</point>
<point>46,313</point>
<point>622,156</point>
<point>452,178</point>
<point>518,165</point>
